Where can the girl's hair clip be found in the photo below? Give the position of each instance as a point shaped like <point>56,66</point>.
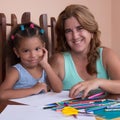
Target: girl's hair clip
<point>12,37</point>
<point>22,27</point>
<point>31,25</point>
<point>42,31</point>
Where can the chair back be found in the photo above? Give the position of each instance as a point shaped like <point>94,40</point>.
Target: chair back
<point>26,17</point>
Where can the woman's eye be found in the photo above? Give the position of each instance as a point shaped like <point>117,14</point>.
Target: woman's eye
<point>67,30</point>
<point>80,28</point>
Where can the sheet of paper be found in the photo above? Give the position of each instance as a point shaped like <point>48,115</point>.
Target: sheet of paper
<point>43,99</point>
<point>22,112</point>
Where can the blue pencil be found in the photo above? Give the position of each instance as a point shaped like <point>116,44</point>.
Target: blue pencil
<point>113,109</point>
<point>95,108</point>
<point>99,107</point>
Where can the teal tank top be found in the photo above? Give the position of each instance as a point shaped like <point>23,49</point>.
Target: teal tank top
<point>72,77</point>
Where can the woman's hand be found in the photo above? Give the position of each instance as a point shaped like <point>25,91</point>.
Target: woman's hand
<point>84,87</point>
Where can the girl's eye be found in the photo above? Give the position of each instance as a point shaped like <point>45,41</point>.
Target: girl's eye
<point>25,51</point>
<point>38,49</point>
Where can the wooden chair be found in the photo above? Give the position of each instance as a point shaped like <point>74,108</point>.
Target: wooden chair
<point>51,44</point>
<point>3,32</point>
<point>26,17</point>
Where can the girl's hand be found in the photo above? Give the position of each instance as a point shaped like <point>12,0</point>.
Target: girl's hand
<point>84,87</point>
<point>39,87</point>
<point>44,58</point>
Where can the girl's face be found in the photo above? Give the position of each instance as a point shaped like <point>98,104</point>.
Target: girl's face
<point>30,51</point>
<point>77,37</point>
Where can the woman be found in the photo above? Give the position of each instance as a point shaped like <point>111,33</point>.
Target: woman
<point>81,62</point>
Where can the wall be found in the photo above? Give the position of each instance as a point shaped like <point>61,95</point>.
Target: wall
<point>100,8</point>
<point>116,26</point>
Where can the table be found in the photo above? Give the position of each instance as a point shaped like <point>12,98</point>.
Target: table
<point>4,103</point>
<point>34,108</point>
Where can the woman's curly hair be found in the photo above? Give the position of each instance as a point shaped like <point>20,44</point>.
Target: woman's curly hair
<point>88,22</point>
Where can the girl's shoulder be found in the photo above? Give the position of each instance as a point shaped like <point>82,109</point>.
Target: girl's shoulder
<point>12,74</point>
<point>12,71</point>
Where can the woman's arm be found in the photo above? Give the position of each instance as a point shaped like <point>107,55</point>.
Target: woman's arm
<point>111,63</point>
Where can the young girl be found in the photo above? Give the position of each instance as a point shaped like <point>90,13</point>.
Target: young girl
<point>30,68</point>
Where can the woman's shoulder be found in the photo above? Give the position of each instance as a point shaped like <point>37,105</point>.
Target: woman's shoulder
<point>109,55</point>
<point>108,52</point>
<point>56,57</point>
<point>57,63</point>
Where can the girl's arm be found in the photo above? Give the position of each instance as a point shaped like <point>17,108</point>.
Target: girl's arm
<point>52,76</point>
<point>7,91</point>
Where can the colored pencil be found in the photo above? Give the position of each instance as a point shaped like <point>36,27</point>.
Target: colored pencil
<point>95,95</point>
<point>113,109</point>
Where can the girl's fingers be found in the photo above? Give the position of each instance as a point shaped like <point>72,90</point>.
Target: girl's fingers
<point>44,50</point>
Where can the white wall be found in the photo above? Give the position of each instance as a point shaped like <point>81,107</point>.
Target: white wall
<point>100,8</point>
<point>116,26</point>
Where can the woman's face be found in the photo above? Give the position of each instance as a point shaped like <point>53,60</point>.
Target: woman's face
<point>77,37</point>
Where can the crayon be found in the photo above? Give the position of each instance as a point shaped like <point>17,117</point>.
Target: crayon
<point>114,105</point>
<point>114,109</point>
<point>49,107</point>
<point>71,101</point>
<point>95,108</point>
<point>99,107</point>
<point>59,105</point>
<point>95,95</point>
